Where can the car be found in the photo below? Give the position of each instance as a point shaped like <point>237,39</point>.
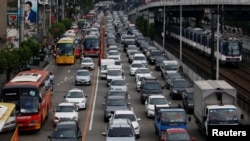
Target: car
<point>113,103</point>
<point>66,131</point>
<point>128,114</point>
<point>78,97</point>
<point>120,129</point>
<point>140,57</point>
<point>65,111</point>
<point>87,63</point>
<point>134,66</point>
<point>118,84</point>
<point>131,48</point>
<point>176,134</point>
<point>114,54</point>
<point>158,63</point>
<point>83,77</point>
<point>116,93</point>
<point>188,99</point>
<point>170,77</point>
<point>178,86</point>
<point>142,72</point>
<point>153,100</point>
<point>150,86</point>
<point>153,55</point>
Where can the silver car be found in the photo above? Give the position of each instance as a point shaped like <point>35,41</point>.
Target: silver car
<point>83,77</point>
<point>88,63</point>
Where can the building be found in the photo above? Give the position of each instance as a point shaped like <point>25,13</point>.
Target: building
<point>3,23</point>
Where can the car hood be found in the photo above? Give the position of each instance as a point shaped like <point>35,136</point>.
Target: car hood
<point>75,99</point>
<point>66,114</point>
<point>87,64</point>
<point>120,138</point>
<point>152,91</point>
<point>114,108</point>
<point>150,106</point>
<point>82,77</point>
<point>118,87</point>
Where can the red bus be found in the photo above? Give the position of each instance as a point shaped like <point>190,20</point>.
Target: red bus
<point>31,92</point>
<point>91,45</point>
<point>78,47</point>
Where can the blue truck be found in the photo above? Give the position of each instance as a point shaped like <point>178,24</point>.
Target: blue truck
<point>169,117</point>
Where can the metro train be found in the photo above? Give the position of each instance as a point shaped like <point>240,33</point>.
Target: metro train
<point>230,48</point>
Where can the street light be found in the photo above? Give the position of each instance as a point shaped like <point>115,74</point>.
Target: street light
<point>164,26</point>
<point>180,33</point>
<point>218,38</point>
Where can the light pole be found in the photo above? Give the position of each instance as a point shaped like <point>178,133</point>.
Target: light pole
<point>22,11</point>
<point>164,27</point>
<point>180,33</point>
<point>218,42</point>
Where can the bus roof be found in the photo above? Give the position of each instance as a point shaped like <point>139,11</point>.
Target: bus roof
<point>32,77</point>
<point>5,112</point>
<point>66,40</point>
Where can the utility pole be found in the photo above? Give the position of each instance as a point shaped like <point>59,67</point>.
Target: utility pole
<point>62,4</point>
<point>218,43</point>
<point>44,19</point>
<point>164,26</point>
<point>213,71</point>
<point>22,11</point>
<point>180,33</point>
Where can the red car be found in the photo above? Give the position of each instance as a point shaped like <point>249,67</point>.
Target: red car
<point>175,134</point>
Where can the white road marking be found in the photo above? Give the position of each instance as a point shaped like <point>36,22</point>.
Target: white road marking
<point>94,101</point>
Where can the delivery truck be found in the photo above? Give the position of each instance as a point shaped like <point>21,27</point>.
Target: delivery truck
<point>215,104</point>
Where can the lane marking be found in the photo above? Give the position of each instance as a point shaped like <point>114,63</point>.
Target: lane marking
<point>93,107</point>
<point>89,110</point>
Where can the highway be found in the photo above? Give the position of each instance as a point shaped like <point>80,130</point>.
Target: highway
<point>91,120</point>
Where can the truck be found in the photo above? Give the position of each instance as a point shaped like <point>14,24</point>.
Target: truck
<point>215,104</point>
<point>103,67</point>
<point>169,117</point>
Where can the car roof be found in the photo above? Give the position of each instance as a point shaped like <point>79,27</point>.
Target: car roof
<point>66,124</point>
<point>124,112</point>
<point>156,96</point>
<point>120,122</point>
<point>65,104</point>
<point>83,70</point>
<point>116,97</point>
<point>75,89</point>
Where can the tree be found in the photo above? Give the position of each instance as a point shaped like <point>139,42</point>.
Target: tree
<point>86,5</point>
<point>67,23</point>
<point>56,29</point>
<point>33,45</point>
<point>151,30</point>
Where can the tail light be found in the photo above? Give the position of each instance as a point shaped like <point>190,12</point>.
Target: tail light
<point>163,136</point>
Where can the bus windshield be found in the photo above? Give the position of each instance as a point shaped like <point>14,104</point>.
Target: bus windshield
<point>65,49</point>
<point>91,43</point>
<point>28,104</point>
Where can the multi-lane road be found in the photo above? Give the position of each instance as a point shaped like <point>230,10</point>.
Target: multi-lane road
<point>91,120</point>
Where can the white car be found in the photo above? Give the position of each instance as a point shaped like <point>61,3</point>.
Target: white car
<point>142,72</point>
<point>134,66</point>
<point>128,114</point>
<point>87,63</point>
<point>66,111</point>
<point>140,57</point>
<point>114,54</point>
<point>153,100</point>
<point>119,84</point>
<point>78,97</point>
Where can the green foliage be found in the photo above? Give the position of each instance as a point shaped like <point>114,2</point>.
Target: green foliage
<point>86,5</point>
<point>67,23</point>
<point>151,30</point>
<point>33,46</point>
<point>2,62</point>
<point>56,29</point>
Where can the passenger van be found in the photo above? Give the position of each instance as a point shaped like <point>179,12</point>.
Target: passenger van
<point>114,72</point>
<point>169,66</point>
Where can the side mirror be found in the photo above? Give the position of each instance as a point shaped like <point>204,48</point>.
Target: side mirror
<point>138,119</point>
<point>129,103</point>
<point>241,116</point>
<point>204,118</point>
<point>189,118</point>
<point>146,102</point>
<point>86,96</point>
<point>104,134</point>
<point>49,137</point>
<point>64,96</point>
<point>169,103</point>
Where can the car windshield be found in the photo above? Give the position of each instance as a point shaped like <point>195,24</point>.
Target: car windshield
<point>136,65</point>
<point>171,67</point>
<point>114,72</point>
<point>113,53</point>
<point>65,133</point>
<point>131,117</point>
<point>156,53</point>
<point>144,71</point>
<point>116,102</point>
<point>174,76</point>
<point>158,101</point>
<point>118,82</point>
<point>82,73</point>
<point>139,58</point>
<point>151,86</point>
<point>75,95</point>
<point>181,84</point>
<point>178,136</point>
<point>65,109</point>
<point>87,60</point>
<point>118,93</point>
<point>120,132</point>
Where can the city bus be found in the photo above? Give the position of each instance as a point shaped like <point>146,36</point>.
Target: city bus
<point>65,49</point>
<point>8,123</point>
<point>81,23</point>
<point>31,92</point>
<point>91,45</point>
<point>78,47</point>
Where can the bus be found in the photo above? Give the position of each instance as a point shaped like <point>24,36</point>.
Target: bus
<point>8,123</point>
<point>81,23</point>
<point>31,92</point>
<point>91,45</point>
<point>65,49</point>
<point>78,47</point>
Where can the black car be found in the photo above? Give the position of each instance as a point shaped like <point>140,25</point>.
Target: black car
<point>116,93</point>
<point>188,100</point>
<point>178,86</point>
<point>153,55</point>
<point>113,103</point>
<point>66,131</point>
<point>150,86</point>
<point>158,63</point>
<point>170,77</point>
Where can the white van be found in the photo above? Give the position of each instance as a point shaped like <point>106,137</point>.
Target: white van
<point>103,67</point>
<point>114,72</point>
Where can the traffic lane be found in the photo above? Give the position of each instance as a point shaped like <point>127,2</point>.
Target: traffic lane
<point>64,81</point>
